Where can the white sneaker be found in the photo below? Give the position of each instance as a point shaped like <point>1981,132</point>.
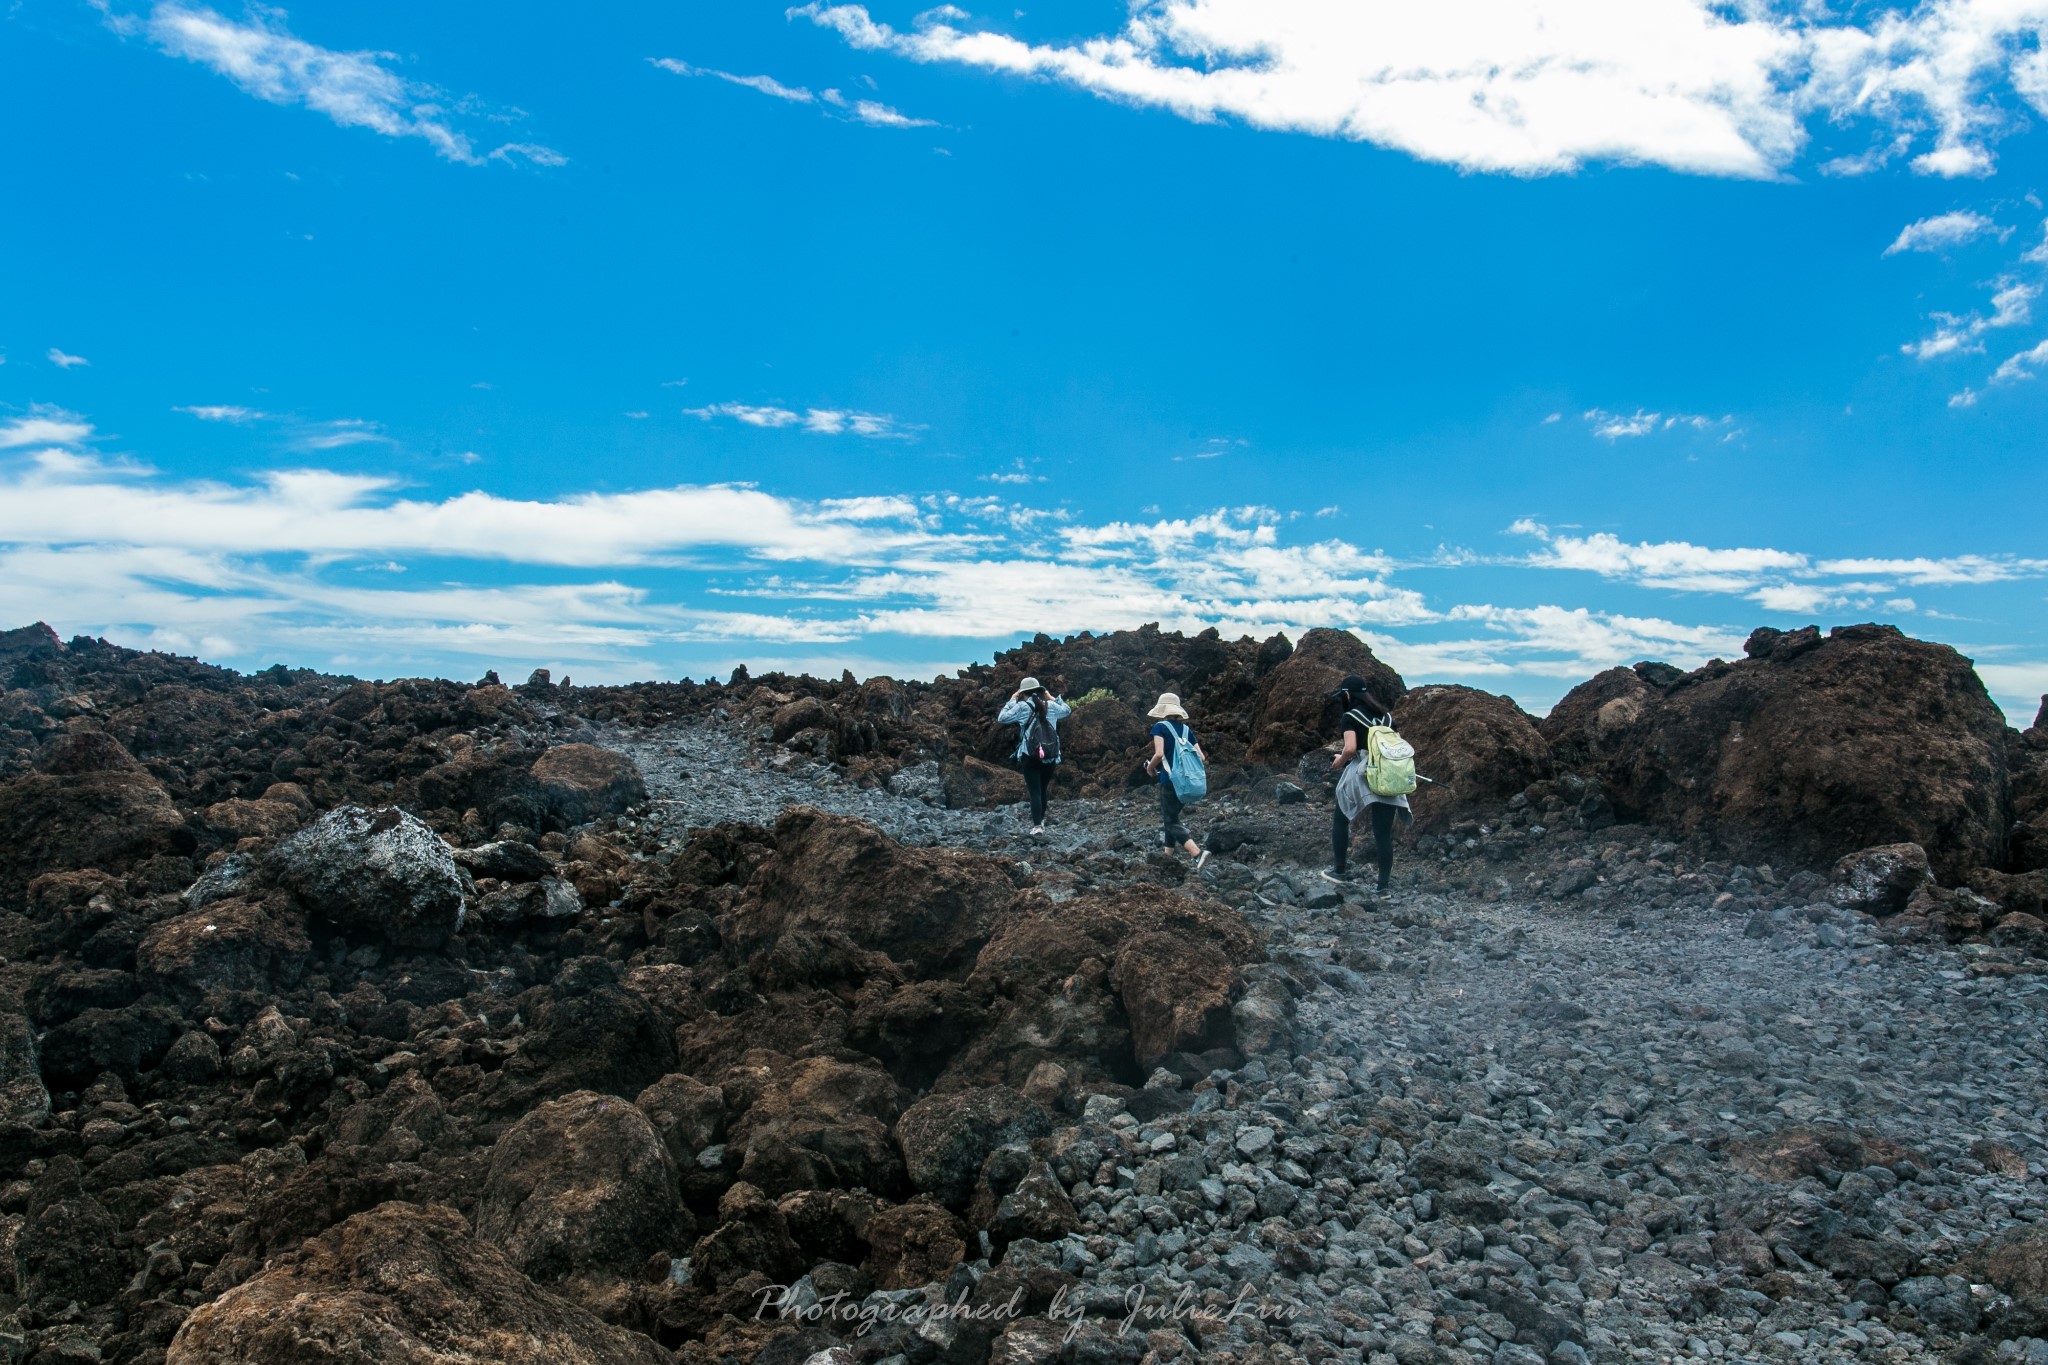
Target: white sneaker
<point>1037,830</point>
<point>1201,860</point>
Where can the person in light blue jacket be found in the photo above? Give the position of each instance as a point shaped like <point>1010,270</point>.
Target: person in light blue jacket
<point>1037,714</point>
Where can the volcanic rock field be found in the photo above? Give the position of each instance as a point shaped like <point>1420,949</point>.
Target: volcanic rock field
<point>444,1023</point>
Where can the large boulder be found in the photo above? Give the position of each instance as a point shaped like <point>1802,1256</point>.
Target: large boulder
<point>380,871</point>
<point>1176,992</point>
<point>1812,747</point>
<point>1478,749</point>
<point>2015,1261</point>
<point>102,811</point>
<point>931,909</point>
<point>1078,983</point>
<point>1879,881</point>
<point>400,1283</point>
<point>945,1138</point>
<point>234,944</point>
<point>818,1123</point>
<point>582,1186</point>
<point>1293,711</point>
<point>913,1245</point>
<point>579,783</point>
<point>1591,719</point>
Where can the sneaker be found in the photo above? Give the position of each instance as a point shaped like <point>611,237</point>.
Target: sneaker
<point>1201,860</point>
<point>1037,830</point>
<point>1337,875</point>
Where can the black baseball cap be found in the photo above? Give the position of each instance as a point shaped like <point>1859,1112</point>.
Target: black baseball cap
<point>1354,684</point>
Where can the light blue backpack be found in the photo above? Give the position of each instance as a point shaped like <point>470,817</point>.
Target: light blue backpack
<point>1189,776</point>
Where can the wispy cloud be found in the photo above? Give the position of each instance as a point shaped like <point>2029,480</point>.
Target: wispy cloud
<point>347,431</point>
<point>871,112</point>
<point>265,59</point>
<point>1778,580</point>
<point>767,85</point>
<point>66,362</point>
<point>874,426</point>
<point>2012,305</point>
<point>44,426</point>
<point>223,412</point>
<point>2025,365</point>
<point>1697,87</point>
<point>1944,231</point>
<point>1614,426</point>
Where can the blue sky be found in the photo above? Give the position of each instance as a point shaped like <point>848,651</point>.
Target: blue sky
<point>395,339</point>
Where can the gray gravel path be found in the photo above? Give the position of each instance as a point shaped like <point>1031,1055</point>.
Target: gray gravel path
<point>1498,1131</point>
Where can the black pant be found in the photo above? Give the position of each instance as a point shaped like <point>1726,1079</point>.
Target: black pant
<point>1037,777</point>
<point>1172,833</point>
<point>1382,837</point>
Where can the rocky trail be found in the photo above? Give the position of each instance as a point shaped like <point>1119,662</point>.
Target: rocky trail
<point>1520,1130</point>
<point>744,1022</point>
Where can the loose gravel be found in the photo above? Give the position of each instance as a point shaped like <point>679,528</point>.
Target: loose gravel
<point>1491,1129</point>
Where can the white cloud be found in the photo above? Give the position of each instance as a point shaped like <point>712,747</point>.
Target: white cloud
<point>1670,564</point>
<point>1502,85</point>
<point>1943,231</point>
<point>873,426</point>
<point>2018,686</point>
<point>767,85</point>
<point>355,89</point>
<point>752,416</point>
<point>225,412</point>
<point>66,362</point>
<point>2022,366</point>
<point>2011,305</point>
<point>1614,426</point>
<point>879,115</point>
<point>1781,580</point>
<point>870,112</point>
<point>44,426</point>
<point>347,431</point>
<point>1921,572</point>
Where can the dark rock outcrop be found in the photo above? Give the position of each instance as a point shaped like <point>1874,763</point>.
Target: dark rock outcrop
<point>579,783</point>
<point>400,1283</point>
<point>1478,749</point>
<point>1293,711</point>
<point>1811,747</point>
<point>582,1187</point>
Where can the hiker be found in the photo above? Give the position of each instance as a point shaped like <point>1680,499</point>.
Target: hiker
<point>1362,712</point>
<point>1167,740</point>
<point>1037,715</point>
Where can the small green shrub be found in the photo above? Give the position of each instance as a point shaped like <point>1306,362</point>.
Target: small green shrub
<point>1095,695</point>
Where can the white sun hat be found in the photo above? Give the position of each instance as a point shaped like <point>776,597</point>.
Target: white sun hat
<point>1167,706</point>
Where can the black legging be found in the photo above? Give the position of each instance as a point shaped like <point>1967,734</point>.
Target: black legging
<point>1382,837</point>
<point>1037,777</point>
<point>1172,833</point>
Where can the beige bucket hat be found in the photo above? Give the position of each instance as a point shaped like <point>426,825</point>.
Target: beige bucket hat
<point>1168,707</point>
<point>1028,685</point>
